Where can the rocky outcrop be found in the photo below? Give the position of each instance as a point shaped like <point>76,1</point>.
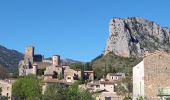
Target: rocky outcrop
<point>135,36</point>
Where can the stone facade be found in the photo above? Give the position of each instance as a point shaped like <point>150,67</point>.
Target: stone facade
<point>151,74</point>
<point>115,76</point>
<point>6,86</point>
<point>71,75</point>
<point>29,53</point>
<point>108,96</point>
<point>89,75</point>
<point>26,66</point>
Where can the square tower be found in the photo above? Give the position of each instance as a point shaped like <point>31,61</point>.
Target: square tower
<point>29,53</point>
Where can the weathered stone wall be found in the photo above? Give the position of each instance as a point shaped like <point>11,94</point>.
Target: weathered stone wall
<point>29,53</point>
<point>156,73</point>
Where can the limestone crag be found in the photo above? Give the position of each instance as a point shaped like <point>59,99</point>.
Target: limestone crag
<point>129,37</point>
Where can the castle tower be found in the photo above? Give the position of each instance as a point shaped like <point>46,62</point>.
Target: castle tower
<point>29,53</point>
<point>34,69</point>
<point>56,60</point>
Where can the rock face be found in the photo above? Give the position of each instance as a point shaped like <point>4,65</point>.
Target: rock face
<point>129,37</point>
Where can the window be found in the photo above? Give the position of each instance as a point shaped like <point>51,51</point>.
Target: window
<point>107,98</point>
<point>7,94</point>
<point>7,88</point>
<point>104,85</point>
<point>97,86</point>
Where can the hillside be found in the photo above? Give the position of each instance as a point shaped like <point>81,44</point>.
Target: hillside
<point>113,63</point>
<point>130,39</point>
<point>9,59</point>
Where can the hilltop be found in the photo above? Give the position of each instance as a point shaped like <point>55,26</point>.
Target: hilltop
<point>130,39</point>
<point>135,36</point>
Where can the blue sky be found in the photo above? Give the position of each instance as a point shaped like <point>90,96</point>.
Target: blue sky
<point>76,29</point>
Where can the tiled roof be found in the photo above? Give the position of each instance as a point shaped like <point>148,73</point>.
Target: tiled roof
<point>57,81</point>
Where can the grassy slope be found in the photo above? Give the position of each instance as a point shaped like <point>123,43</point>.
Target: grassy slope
<point>115,63</point>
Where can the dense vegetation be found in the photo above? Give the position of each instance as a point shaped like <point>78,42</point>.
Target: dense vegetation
<point>28,87</point>
<point>113,63</point>
<point>9,59</point>
<point>79,66</point>
<point>59,92</point>
<point>3,72</point>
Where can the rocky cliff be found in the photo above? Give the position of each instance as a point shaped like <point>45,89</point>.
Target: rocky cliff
<point>134,37</point>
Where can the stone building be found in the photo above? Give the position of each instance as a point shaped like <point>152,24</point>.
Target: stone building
<point>102,89</point>
<point>115,76</point>
<point>101,85</point>
<point>151,77</point>
<point>89,75</point>
<point>6,86</point>
<point>71,75</point>
<point>31,62</point>
<point>55,70</point>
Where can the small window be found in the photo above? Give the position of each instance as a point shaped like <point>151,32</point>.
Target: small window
<point>7,94</point>
<point>7,88</point>
<point>97,86</point>
<point>104,85</point>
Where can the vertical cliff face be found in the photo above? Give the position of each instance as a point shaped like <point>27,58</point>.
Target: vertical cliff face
<point>135,36</point>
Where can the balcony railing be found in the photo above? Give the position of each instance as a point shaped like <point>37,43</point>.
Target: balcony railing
<point>163,91</point>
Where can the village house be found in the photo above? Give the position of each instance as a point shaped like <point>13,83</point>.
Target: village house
<point>55,70</point>
<point>151,77</point>
<point>89,75</point>
<point>102,89</point>
<point>101,85</point>
<point>115,76</point>
<point>6,87</point>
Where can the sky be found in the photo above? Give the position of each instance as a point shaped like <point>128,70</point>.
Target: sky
<point>76,29</point>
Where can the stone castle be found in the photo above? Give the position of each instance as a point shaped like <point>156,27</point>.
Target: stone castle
<point>53,69</point>
<point>30,62</point>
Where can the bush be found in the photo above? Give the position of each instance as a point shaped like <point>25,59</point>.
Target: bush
<point>28,87</point>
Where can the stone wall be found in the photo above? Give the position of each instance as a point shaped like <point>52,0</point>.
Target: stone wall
<point>156,73</point>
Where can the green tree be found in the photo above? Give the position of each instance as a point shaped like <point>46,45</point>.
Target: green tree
<point>88,66</point>
<point>59,92</point>
<point>55,92</point>
<point>124,87</point>
<point>74,93</point>
<point>76,65</point>
<point>29,88</point>
<point>99,73</point>
<point>40,72</point>
<point>3,98</point>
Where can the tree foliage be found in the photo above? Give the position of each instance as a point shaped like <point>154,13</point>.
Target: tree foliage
<point>3,72</point>
<point>59,92</point>
<point>28,87</point>
<point>114,63</point>
<point>55,92</point>
<point>124,87</point>
<point>99,73</point>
